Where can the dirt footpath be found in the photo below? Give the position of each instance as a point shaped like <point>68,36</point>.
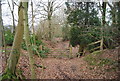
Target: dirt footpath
<point>64,68</point>
<point>75,68</point>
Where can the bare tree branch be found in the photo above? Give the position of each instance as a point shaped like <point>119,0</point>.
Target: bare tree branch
<point>9,5</point>
<point>110,5</point>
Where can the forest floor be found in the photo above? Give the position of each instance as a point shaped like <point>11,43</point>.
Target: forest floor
<point>59,66</point>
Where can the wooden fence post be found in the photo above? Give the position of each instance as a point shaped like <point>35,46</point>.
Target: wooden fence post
<point>41,47</point>
<point>101,44</point>
<point>70,55</point>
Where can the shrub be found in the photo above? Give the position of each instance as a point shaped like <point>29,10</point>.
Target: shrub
<point>95,59</point>
<point>83,36</point>
<point>43,53</point>
<point>111,37</point>
<point>9,37</point>
<point>35,48</point>
<point>66,33</point>
<point>92,58</point>
<point>24,46</point>
<point>37,42</point>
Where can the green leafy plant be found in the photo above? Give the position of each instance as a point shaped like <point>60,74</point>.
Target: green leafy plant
<point>92,58</point>
<point>9,76</point>
<point>36,48</point>
<point>24,46</point>
<point>66,32</point>
<point>40,66</point>
<point>37,42</point>
<point>9,37</point>
<point>43,53</point>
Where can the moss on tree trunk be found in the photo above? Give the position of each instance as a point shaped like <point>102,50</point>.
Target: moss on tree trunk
<point>27,39</point>
<point>15,52</point>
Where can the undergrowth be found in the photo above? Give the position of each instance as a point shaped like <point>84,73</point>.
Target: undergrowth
<point>95,59</point>
<point>36,48</point>
<point>8,76</point>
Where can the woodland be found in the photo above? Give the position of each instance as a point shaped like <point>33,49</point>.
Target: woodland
<point>59,39</point>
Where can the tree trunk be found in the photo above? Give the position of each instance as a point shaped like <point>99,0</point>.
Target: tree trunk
<point>50,29</point>
<point>1,34</point>
<point>27,39</point>
<point>103,13</point>
<point>33,23</point>
<point>1,28</point>
<point>87,13</point>
<point>113,13</point>
<point>15,52</point>
<point>13,30</point>
<point>103,24</point>
<point>50,12</point>
<point>12,13</point>
<point>80,51</point>
<point>118,15</point>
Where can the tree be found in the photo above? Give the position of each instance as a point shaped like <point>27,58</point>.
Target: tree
<point>118,21</point>
<point>22,27</point>
<point>103,23</point>
<point>81,19</point>
<point>87,11</point>
<point>113,13</point>
<point>2,33</point>
<point>27,39</point>
<point>12,12</point>
<point>15,52</point>
<point>49,9</point>
<point>103,13</point>
<point>33,22</point>
<point>118,14</point>
<point>1,28</point>
<point>84,14</point>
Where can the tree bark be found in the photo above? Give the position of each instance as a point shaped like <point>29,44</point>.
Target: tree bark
<point>87,13</point>
<point>33,23</point>
<point>12,13</point>
<point>15,52</point>
<point>118,15</point>
<point>1,37</point>
<point>50,29</point>
<point>103,13</point>
<point>27,39</point>
<point>2,33</point>
<point>1,28</point>
<point>113,13</point>
<point>103,24</point>
<point>50,12</point>
<point>80,51</point>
